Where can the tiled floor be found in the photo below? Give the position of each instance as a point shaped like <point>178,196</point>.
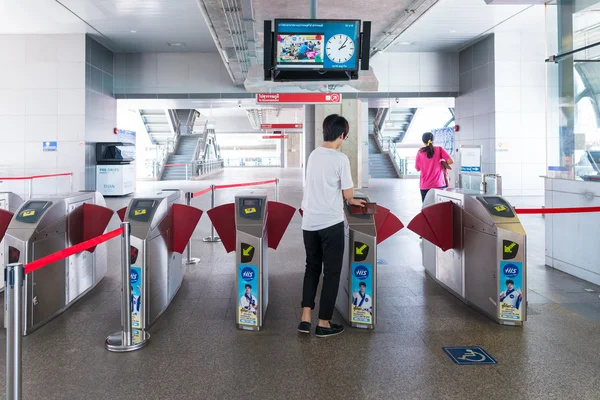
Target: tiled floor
<point>197,353</point>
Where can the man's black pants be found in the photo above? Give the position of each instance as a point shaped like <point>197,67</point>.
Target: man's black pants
<point>324,253</point>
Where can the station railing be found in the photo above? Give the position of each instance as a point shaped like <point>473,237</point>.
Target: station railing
<point>31,178</point>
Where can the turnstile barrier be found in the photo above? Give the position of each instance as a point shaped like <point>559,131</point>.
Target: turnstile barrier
<point>43,226</point>
<point>486,264</point>
<point>357,297</point>
<point>9,204</point>
<point>250,226</point>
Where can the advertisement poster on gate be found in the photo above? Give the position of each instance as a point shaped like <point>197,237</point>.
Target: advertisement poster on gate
<point>511,286</point>
<point>136,297</point>
<point>362,293</point>
<point>248,295</point>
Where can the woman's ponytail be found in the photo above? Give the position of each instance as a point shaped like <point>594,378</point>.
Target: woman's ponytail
<point>428,141</point>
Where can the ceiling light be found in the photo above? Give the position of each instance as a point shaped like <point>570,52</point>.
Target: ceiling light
<point>133,31</point>
<point>406,43</point>
<point>176,44</point>
<point>452,31</point>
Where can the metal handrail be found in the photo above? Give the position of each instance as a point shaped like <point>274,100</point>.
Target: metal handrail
<point>388,146</point>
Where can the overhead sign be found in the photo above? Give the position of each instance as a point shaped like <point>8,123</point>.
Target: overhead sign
<point>469,355</point>
<point>281,126</point>
<point>275,137</point>
<point>299,98</point>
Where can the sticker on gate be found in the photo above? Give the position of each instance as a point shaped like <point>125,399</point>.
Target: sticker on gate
<point>511,286</point>
<point>362,293</point>
<point>247,295</point>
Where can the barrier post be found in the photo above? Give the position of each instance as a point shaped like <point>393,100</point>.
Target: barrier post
<point>30,188</point>
<point>14,275</point>
<point>190,260</point>
<point>71,183</point>
<point>124,340</point>
<point>212,238</point>
<point>277,189</point>
<point>186,172</point>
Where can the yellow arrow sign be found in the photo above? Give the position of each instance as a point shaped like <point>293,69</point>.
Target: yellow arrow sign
<point>247,251</point>
<point>28,213</point>
<point>250,210</point>
<point>359,250</point>
<point>139,212</point>
<point>508,249</point>
<point>500,208</point>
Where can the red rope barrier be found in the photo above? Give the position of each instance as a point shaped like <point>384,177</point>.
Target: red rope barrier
<point>200,193</point>
<point>236,185</point>
<point>571,210</point>
<point>62,254</point>
<point>21,178</point>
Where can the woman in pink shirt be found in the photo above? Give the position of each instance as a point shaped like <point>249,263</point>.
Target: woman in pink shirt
<point>429,162</point>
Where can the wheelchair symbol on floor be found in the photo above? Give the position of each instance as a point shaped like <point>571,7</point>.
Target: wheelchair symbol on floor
<point>469,355</point>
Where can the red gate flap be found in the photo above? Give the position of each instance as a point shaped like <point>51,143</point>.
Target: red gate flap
<point>278,219</point>
<point>440,217</point>
<point>420,226</point>
<point>185,219</point>
<point>301,212</point>
<point>5,218</point>
<point>390,226</point>
<point>95,221</point>
<point>121,213</point>
<point>380,217</point>
<point>223,219</point>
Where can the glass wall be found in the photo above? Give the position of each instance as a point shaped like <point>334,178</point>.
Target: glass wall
<point>573,125</point>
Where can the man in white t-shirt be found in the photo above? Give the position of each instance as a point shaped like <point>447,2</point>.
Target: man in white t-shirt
<point>328,183</point>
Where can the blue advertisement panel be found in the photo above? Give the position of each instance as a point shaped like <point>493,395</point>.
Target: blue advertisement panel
<point>511,285</point>
<point>444,137</point>
<point>362,293</point>
<point>316,44</point>
<point>136,297</point>
<point>247,295</point>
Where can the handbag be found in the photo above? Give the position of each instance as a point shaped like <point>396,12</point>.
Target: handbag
<point>445,168</point>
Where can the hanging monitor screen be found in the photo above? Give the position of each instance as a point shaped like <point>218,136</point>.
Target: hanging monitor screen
<point>317,44</point>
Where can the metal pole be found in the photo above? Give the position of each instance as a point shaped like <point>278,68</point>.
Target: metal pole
<point>71,183</point>
<point>190,260</point>
<point>30,188</point>
<point>14,275</point>
<point>123,341</point>
<point>313,9</point>
<point>186,172</point>
<point>277,189</point>
<point>212,238</point>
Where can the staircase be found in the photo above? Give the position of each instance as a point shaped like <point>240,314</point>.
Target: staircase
<point>157,126</point>
<point>183,155</point>
<point>380,164</point>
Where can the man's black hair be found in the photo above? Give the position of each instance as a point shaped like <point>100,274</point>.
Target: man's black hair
<point>510,281</point>
<point>248,286</point>
<point>335,126</point>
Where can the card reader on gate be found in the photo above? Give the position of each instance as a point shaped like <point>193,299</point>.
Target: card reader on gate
<point>141,210</point>
<point>32,211</point>
<point>497,206</point>
<point>250,208</point>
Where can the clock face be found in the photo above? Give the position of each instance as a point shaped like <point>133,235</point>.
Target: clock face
<point>340,48</point>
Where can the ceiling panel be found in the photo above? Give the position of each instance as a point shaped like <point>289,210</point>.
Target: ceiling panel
<point>451,25</point>
<point>37,17</point>
<point>146,25</point>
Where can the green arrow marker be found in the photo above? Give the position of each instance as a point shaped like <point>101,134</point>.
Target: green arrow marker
<point>247,251</point>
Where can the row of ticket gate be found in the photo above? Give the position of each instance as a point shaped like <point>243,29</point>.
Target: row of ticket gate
<point>474,246</point>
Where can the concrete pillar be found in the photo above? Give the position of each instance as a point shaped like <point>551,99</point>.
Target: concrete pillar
<point>353,146</point>
<point>309,132</point>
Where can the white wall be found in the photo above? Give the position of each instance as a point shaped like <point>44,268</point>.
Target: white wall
<point>172,73</point>
<point>520,75</point>
<point>42,98</point>
<point>204,73</point>
<point>416,72</point>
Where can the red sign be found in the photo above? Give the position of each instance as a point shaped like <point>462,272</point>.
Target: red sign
<point>281,126</point>
<point>275,137</point>
<point>299,98</point>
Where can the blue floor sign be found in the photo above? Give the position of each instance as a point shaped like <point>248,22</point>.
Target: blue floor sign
<point>469,355</point>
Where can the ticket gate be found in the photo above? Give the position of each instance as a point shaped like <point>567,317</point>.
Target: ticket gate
<point>161,227</point>
<point>475,247</point>
<point>9,202</point>
<point>43,226</point>
<point>250,226</point>
<point>365,229</point>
